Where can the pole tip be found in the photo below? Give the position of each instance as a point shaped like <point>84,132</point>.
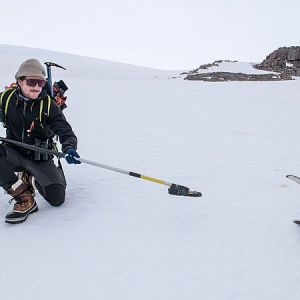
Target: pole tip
<point>194,194</point>
<point>180,190</point>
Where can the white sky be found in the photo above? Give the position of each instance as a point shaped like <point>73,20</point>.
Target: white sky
<point>163,34</point>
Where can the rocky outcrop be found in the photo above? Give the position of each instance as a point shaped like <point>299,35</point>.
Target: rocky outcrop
<point>227,76</point>
<point>205,67</point>
<point>284,60</point>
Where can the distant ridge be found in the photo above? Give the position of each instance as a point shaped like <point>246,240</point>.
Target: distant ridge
<point>281,64</point>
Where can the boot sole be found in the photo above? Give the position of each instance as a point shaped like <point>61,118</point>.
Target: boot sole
<point>18,217</point>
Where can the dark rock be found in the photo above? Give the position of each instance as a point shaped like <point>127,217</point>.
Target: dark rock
<point>284,60</point>
<point>228,76</point>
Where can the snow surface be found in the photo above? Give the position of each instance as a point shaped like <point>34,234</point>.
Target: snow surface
<point>120,237</point>
<point>234,67</point>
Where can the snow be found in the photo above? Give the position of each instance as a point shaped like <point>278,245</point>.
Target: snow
<point>119,237</point>
<point>234,67</point>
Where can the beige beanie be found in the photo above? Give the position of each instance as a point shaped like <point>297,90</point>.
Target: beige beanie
<point>31,67</point>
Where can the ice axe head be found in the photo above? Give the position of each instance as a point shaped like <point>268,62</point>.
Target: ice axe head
<point>51,64</point>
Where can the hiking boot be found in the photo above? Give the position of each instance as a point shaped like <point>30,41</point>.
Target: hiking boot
<point>25,203</point>
<point>27,178</point>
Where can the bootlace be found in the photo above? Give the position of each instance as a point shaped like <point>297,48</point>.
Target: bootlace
<point>11,200</point>
<point>16,198</point>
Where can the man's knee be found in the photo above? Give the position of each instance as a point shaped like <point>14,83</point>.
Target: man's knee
<point>54,194</point>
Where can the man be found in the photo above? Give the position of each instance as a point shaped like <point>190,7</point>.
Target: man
<point>32,117</point>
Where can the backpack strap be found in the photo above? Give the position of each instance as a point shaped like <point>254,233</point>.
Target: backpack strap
<point>47,111</point>
<point>4,100</point>
<point>9,93</point>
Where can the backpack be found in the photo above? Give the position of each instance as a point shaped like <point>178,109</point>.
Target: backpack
<point>59,88</point>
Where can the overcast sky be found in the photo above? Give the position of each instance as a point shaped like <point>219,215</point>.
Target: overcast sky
<point>163,34</point>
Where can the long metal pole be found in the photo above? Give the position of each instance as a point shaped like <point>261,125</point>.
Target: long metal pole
<point>174,189</point>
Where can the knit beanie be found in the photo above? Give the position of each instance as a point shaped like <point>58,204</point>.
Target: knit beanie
<point>31,67</point>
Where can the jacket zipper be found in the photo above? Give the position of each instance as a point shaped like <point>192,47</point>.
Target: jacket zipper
<point>23,131</point>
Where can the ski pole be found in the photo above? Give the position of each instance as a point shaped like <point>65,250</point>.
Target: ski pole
<point>174,189</point>
<point>49,76</point>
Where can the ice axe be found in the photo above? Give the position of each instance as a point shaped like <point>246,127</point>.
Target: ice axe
<point>174,189</point>
<point>49,76</point>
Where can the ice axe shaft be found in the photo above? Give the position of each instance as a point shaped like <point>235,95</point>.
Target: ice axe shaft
<point>174,189</point>
<point>49,75</point>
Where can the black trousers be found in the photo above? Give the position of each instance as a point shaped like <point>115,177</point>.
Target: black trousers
<point>49,179</point>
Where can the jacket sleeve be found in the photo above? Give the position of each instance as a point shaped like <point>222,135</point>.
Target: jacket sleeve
<point>60,126</point>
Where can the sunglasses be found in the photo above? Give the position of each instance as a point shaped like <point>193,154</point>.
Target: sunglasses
<point>34,82</point>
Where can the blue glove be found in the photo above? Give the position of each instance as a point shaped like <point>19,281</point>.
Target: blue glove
<point>70,158</point>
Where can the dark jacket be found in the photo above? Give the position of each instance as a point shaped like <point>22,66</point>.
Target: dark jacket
<point>26,123</point>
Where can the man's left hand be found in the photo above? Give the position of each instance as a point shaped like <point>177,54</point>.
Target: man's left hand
<point>71,157</point>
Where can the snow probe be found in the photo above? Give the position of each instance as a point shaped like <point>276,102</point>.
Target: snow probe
<point>49,76</point>
<point>174,189</point>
